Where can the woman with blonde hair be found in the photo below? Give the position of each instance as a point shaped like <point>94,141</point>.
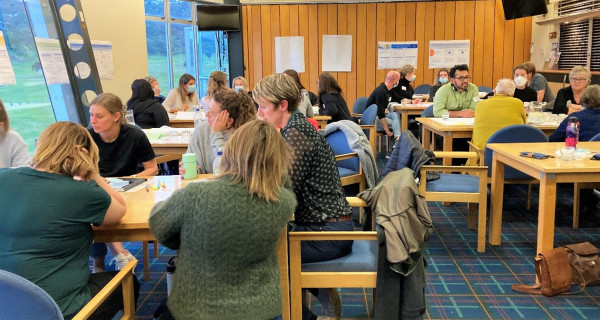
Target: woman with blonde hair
<point>228,111</point>
<point>404,91</point>
<point>241,84</point>
<point>588,117</point>
<point>47,213</point>
<point>184,97</point>
<point>123,149</point>
<point>226,229</point>
<point>217,82</point>
<point>13,149</point>
<point>568,98</point>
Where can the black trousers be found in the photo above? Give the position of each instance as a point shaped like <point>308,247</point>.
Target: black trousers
<point>114,302</point>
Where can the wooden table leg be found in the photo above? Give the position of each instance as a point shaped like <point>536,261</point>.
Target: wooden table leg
<point>426,138</point>
<point>447,147</point>
<point>545,238</point>
<point>404,116</point>
<point>497,201</point>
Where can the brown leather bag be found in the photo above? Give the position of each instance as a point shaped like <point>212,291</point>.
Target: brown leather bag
<point>553,272</point>
<point>585,263</point>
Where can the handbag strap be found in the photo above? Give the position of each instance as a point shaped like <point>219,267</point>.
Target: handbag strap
<point>533,289</point>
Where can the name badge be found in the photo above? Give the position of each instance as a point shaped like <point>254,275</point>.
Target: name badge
<point>476,99</point>
<point>404,88</point>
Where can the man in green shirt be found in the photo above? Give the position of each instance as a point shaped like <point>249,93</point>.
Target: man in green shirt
<point>459,97</point>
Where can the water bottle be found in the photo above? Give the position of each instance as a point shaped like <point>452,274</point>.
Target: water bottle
<point>217,162</point>
<point>189,164</point>
<point>170,274</point>
<point>198,115</point>
<point>572,136</point>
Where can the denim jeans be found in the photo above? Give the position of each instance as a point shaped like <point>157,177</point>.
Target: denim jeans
<point>315,251</point>
<point>99,250</point>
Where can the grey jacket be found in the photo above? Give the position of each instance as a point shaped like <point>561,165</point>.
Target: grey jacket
<point>402,211</point>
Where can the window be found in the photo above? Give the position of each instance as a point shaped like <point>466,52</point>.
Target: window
<point>176,47</point>
<point>573,44</point>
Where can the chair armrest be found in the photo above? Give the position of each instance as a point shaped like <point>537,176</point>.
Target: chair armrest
<point>346,156</point>
<point>475,169</point>
<point>125,276</point>
<point>480,152</point>
<point>472,156</point>
<point>356,202</point>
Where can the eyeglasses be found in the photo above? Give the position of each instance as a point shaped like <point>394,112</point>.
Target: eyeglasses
<point>577,79</point>
<point>463,78</point>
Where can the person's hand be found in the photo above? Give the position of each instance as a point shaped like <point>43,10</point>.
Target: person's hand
<point>220,122</point>
<point>389,133</point>
<point>181,168</point>
<point>468,113</point>
<point>575,107</point>
<point>184,107</point>
<point>416,101</point>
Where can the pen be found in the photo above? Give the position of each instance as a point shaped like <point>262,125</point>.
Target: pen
<point>147,188</point>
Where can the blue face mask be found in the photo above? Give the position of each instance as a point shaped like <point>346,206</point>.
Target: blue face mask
<point>443,80</point>
<point>412,78</point>
<point>191,89</point>
<point>239,88</point>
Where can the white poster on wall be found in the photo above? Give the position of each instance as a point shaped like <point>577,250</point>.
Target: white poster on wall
<point>7,74</point>
<point>337,53</point>
<point>447,54</point>
<point>102,54</point>
<point>52,61</point>
<point>289,54</point>
<point>394,55</point>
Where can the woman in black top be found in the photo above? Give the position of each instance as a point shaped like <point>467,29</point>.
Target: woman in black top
<point>331,101</point>
<point>442,79</point>
<point>567,98</point>
<point>404,91</point>
<point>147,112</point>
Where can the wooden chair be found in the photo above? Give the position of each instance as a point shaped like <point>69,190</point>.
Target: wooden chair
<point>124,277</point>
<point>348,163</point>
<point>356,270</point>
<point>455,187</point>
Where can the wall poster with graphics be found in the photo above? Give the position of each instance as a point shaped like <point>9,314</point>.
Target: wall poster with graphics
<point>394,55</point>
<point>447,54</point>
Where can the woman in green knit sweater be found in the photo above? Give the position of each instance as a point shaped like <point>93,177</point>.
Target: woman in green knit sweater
<point>226,231</point>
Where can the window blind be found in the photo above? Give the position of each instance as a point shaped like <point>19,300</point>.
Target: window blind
<point>595,61</point>
<point>573,44</point>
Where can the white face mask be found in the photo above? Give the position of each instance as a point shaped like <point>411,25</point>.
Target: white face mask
<point>520,81</point>
<point>413,77</point>
<point>239,88</point>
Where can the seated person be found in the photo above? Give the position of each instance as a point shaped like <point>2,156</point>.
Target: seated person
<point>305,106</point>
<point>13,149</point>
<point>403,92</point>
<point>497,112</point>
<point>442,79</point>
<point>252,201</point>
<point>522,91</point>
<point>155,88</point>
<point>217,82</point>
<point>123,149</point>
<point>459,98</point>
<point>331,100</point>
<point>538,83</point>
<point>184,97</point>
<point>241,84</point>
<point>589,117</point>
<point>381,96</point>
<point>47,213</point>
<point>147,112</point>
<point>568,98</point>
<point>322,205</point>
<point>229,110</point>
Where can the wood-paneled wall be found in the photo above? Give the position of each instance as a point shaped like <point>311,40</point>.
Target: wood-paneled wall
<point>497,45</point>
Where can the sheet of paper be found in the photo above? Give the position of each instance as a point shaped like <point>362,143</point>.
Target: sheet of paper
<point>7,74</point>
<point>447,54</point>
<point>337,53</point>
<point>456,121</point>
<point>52,61</point>
<point>184,115</point>
<point>394,55</point>
<point>102,54</point>
<point>289,54</point>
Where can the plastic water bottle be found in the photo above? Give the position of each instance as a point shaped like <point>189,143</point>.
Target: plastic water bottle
<point>198,115</point>
<point>217,162</point>
<point>189,164</point>
<point>170,274</point>
<point>572,136</point>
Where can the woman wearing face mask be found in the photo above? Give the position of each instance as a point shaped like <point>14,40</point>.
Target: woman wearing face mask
<point>241,84</point>
<point>522,91</point>
<point>442,79</point>
<point>217,82</point>
<point>403,92</point>
<point>184,97</point>
<point>228,110</point>
<point>568,98</point>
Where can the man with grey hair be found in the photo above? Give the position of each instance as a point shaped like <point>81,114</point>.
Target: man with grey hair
<point>497,112</point>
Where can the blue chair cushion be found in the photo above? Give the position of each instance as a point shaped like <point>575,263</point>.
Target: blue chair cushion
<point>345,172</point>
<point>363,258</point>
<point>454,183</point>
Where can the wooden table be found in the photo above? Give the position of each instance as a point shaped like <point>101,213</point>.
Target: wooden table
<point>457,128</point>
<point>134,227</point>
<point>177,123</point>
<point>405,110</point>
<point>169,148</point>
<point>322,120</point>
<point>549,171</point>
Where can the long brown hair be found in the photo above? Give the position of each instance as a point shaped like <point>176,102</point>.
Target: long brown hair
<point>216,83</point>
<point>4,123</point>
<point>327,84</point>
<point>60,150</point>
<point>182,88</point>
<point>257,156</point>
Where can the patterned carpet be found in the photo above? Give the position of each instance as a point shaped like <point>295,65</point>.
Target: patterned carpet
<point>461,283</point>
